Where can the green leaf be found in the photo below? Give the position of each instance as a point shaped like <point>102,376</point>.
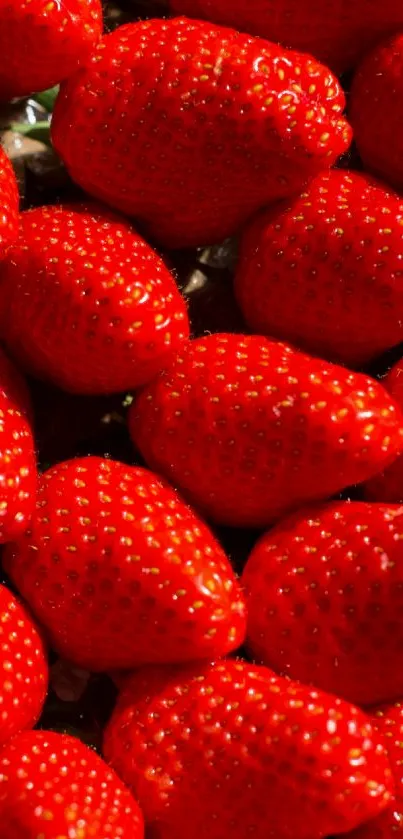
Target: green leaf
<point>47,98</point>
<point>39,131</point>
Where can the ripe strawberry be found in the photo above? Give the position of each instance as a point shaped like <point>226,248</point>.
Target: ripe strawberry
<point>388,721</point>
<point>23,666</point>
<point>388,485</point>
<point>325,600</point>
<point>52,786</point>
<point>376,109</point>
<point>338,34</point>
<point>17,454</point>
<point>42,42</point>
<point>233,750</point>
<point>249,428</point>
<point>9,199</point>
<point>88,304</point>
<point>191,127</point>
<point>121,572</point>
<point>325,272</point>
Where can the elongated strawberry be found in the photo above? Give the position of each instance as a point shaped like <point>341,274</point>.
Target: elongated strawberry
<point>325,272</point>
<point>87,303</point>
<point>23,668</point>
<point>9,199</point>
<point>191,127</point>
<point>43,41</point>
<point>52,785</point>
<point>121,572</point>
<point>338,34</point>
<point>230,749</point>
<point>325,599</point>
<point>388,721</point>
<point>388,485</point>
<point>17,454</point>
<point>249,428</point>
<point>376,110</point>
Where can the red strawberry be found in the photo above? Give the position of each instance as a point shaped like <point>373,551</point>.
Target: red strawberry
<point>9,199</point>
<point>249,428</point>
<point>17,454</point>
<point>388,485</point>
<point>191,127</point>
<point>23,666</point>
<point>88,304</point>
<point>52,786</point>
<point>325,600</point>
<point>376,108</point>
<point>230,749</point>
<point>337,34</point>
<point>388,721</point>
<point>43,42</point>
<point>325,272</point>
<point>121,572</point>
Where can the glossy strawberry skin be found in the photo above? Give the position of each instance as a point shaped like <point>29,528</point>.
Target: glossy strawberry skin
<point>338,34</point>
<point>388,485</point>
<point>17,454</point>
<point>325,598</point>
<point>231,749</point>
<point>388,721</point>
<point>376,111</point>
<point>249,428</point>
<point>53,37</point>
<point>325,272</point>
<point>121,572</point>
<point>9,198</point>
<point>87,303</point>
<point>52,785</point>
<point>23,667</point>
<point>192,127</point>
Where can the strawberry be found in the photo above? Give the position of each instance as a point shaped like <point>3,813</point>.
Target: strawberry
<point>249,428</point>
<point>88,304</point>
<point>52,786</point>
<point>388,485</point>
<point>338,34</point>
<point>325,271</point>
<point>388,721</point>
<point>9,199</point>
<point>43,42</point>
<point>23,666</point>
<point>376,109</point>
<point>230,749</point>
<point>192,127</point>
<point>121,572</point>
<point>17,454</point>
<point>325,599</point>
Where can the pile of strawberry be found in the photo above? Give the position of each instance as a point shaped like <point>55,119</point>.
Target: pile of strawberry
<point>237,575</point>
